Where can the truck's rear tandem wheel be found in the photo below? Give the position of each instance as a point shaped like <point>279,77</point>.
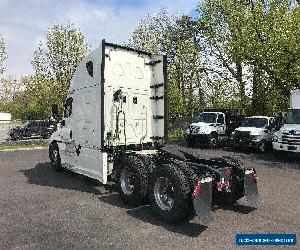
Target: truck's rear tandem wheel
<point>177,189</point>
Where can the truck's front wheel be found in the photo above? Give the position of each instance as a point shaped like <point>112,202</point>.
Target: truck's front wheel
<point>263,147</point>
<point>55,156</point>
<point>132,181</point>
<point>213,140</point>
<point>190,141</point>
<point>169,194</point>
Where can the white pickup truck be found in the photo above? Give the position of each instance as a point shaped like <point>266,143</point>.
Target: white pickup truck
<point>255,132</point>
<point>287,139</point>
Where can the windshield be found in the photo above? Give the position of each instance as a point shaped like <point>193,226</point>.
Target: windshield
<point>293,116</point>
<point>207,117</point>
<point>26,124</point>
<point>255,122</point>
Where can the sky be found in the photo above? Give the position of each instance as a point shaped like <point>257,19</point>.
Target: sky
<point>23,23</point>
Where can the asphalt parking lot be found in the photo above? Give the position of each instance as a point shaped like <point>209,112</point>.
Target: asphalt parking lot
<point>41,208</point>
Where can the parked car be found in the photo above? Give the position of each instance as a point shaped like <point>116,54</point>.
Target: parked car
<point>33,129</point>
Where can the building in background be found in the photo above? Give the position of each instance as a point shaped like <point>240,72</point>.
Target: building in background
<point>5,122</point>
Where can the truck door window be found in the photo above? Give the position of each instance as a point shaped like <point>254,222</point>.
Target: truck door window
<point>68,107</point>
<point>271,123</point>
<point>135,100</point>
<point>90,68</point>
<point>220,119</point>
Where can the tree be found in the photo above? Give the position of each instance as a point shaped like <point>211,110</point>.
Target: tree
<point>257,43</point>
<point>56,60</point>
<point>185,66</point>
<point>274,31</point>
<point>149,33</point>
<point>3,55</point>
<point>220,30</point>
<point>160,33</point>
<point>9,87</point>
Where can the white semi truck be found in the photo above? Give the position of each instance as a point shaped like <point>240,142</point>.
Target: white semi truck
<point>211,127</point>
<point>114,127</point>
<point>287,139</point>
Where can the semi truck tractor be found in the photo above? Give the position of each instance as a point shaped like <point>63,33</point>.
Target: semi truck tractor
<point>211,127</point>
<point>287,139</point>
<point>255,132</point>
<point>114,129</point>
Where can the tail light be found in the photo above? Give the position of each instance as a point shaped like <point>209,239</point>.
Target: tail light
<point>227,185</point>
<point>254,177</point>
<point>253,174</point>
<point>219,186</point>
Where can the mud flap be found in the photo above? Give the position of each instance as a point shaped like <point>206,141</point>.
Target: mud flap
<point>202,199</point>
<point>250,187</point>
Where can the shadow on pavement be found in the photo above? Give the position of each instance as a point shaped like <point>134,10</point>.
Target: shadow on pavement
<point>43,174</point>
<point>145,214</point>
<point>238,208</point>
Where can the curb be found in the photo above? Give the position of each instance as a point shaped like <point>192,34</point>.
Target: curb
<point>24,142</point>
<point>23,149</point>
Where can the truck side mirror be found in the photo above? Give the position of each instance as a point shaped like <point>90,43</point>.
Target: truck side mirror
<point>54,110</point>
<point>278,126</point>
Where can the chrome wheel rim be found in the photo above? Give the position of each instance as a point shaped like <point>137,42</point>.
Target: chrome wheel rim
<point>164,193</point>
<point>126,182</point>
<point>54,156</point>
<point>213,141</point>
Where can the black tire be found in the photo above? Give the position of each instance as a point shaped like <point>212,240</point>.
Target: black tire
<point>193,181</point>
<point>45,135</point>
<point>263,147</point>
<point>190,173</point>
<point>132,180</point>
<point>236,148</point>
<point>148,161</point>
<point>213,140</point>
<point>190,141</point>
<point>181,207</point>
<point>55,156</point>
<point>13,138</point>
<point>280,155</point>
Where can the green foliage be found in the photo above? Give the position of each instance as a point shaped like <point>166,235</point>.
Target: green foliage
<point>56,60</point>
<point>240,54</point>
<point>175,102</point>
<point>3,55</point>
<point>177,134</point>
<point>149,33</point>
<point>261,38</point>
<point>160,33</point>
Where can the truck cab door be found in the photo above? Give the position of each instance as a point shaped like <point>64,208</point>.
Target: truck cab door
<point>68,149</point>
<point>221,127</point>
<point>271,129</point>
